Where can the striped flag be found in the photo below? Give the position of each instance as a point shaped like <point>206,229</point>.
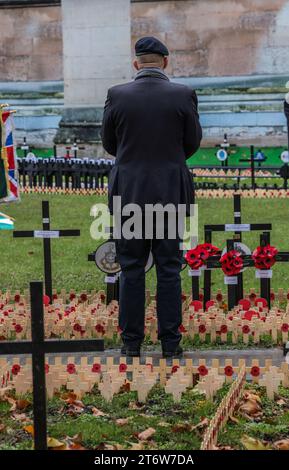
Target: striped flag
<point>8,158</point>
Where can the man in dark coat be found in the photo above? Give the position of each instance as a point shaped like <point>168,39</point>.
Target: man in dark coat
<point>151,126</point>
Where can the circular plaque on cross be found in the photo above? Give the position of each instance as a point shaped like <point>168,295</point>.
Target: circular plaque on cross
<point>285,156</point>
<point>105,258</point>
<point>222,155</point>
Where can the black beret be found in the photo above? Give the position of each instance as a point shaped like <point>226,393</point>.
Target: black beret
<point>150,45</point>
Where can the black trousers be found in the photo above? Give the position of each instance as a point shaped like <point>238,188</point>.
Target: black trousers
<point>132,256</point>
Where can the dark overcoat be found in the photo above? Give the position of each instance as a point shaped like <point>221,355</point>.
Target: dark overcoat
<point>151,126</point>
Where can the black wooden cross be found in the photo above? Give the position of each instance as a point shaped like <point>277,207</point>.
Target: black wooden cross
<point>46,234</point>
<point>38,347</point>
<point>237,228</point>
<point>265,282</point>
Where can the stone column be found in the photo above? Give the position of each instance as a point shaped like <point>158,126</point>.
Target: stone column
<point>97,55</point>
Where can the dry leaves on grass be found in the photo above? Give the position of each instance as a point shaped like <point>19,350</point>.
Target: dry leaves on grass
<point>220,447</point>
<point>106,446</point>
<point>96,412</point>
<point>250,406</point>
<point>123,421</point>
<point>146,435</point>
<point>2,427</point>
<point>283,444</point>
<point>68,443</point>
<point>250,443</point>
<point>186,427</point>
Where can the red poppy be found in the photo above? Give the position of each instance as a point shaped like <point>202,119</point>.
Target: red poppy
<point>202,328</point>
<point>252,296</point>
<point>184,297</point>
<point>122,367</point>
<point>46,300</point>
<point>16,298</point>
<point>246,329</point>
<point>18,328</point>
<point>96,368</point>
<point>196,304</point>
<point>46,368</point>
<point>55,296</point>
<point>288,296</point>
<point>219,297</point>
<point>210,303</point>
<point>15,369</point>
<point>224,329</point>
<point>77,327</point>
<point>201,296</point>
<point>285,328</point>
<point>174,369</point>
<point>229,371</point>
<point>261,300</point>
<point>194,259</point>
<point>99,328</point>
<point>264,257</point>
<point>72,296</point>
<point>231,263</point>
<point>255,371</point>
<point>245,304</point>
<point>203,370</point>
<point>70,368</point>
<point>272,296</point>
<point>102,297</point>
<point>182,329</point>
<point>83,297</point>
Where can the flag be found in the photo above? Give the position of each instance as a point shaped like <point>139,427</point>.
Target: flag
<point>6,222</point>
<point>8,165</point>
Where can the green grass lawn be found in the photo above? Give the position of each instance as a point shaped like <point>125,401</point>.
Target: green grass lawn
<point>21,259</point>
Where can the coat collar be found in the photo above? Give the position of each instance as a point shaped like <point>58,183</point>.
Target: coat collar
<point>153,72</point>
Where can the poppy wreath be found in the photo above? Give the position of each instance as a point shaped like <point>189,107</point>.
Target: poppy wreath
<point>232,263</point>
<point>196,257</point>
<point>264,257</point>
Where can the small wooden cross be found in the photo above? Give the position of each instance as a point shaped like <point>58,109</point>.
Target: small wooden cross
<point>271,380</point>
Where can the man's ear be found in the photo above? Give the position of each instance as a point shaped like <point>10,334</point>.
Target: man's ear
<point>135,64</point>
<point>166,61</point>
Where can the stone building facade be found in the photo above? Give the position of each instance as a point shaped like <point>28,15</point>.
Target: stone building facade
<point>205,37</point>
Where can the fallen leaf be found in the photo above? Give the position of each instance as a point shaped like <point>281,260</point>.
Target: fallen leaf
<point>234,420</point>
<point>2,427</point>
<point>122,421</point>
<point>202,424</point>
<point>147,434</point>
<point>105,446</point>
<point>164,424</point>
<point>220,447</point>
<point>250,407</point>
<point>22,417</point>
<point>249,395</point>
<point>182,427</point>
<point>29,429</point>
<point>135,405</point>
<point>20,405</point>
<point>250,443</point>
<point>53,443</point>
<point>283,444</point>
<point>125,387</point>
<point>281,402</point>
<point>97,412</point>
<point>137,446</point>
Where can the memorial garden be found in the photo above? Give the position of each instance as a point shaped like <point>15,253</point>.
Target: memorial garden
<point>66,381</point>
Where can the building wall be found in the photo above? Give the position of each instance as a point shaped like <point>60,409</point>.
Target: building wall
<point>205,37</point>
<point>218,37</point>
<point>30,43</point>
